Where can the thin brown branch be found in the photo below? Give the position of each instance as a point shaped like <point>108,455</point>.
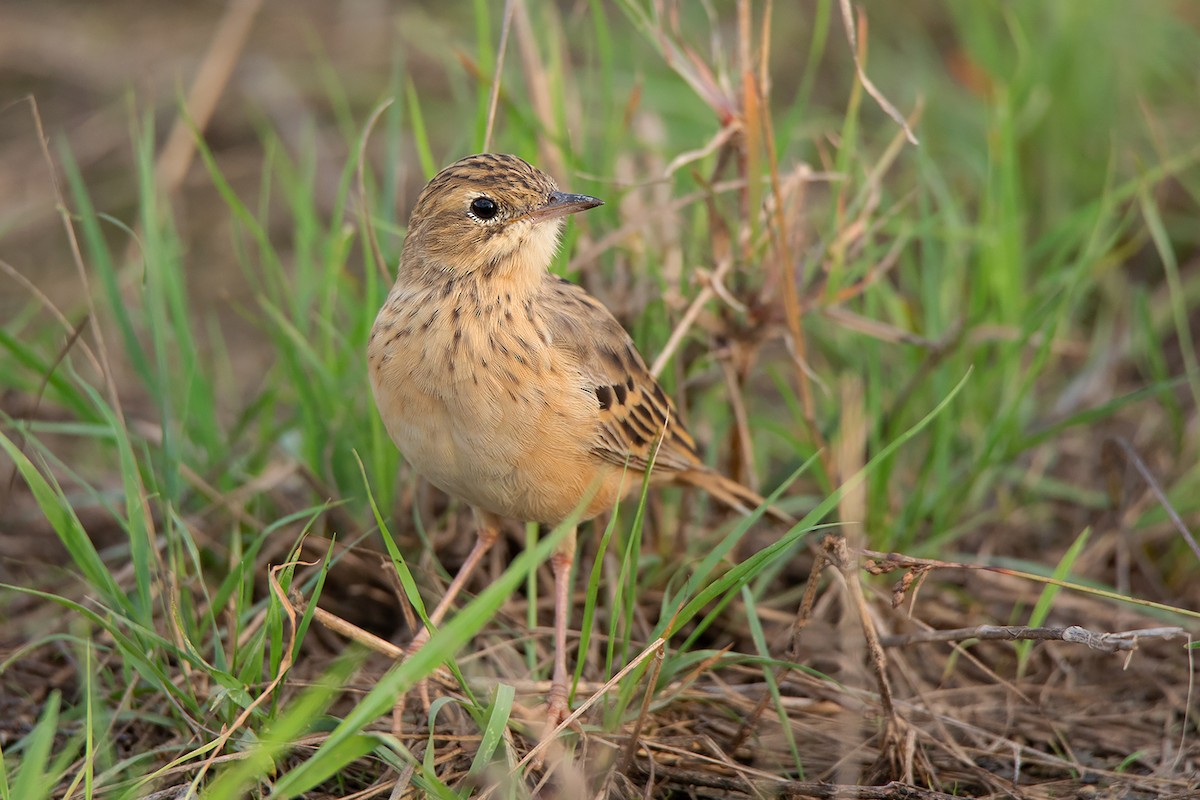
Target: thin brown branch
<point>1104,642</point>
<point>899,757</point>
<point>644,712</point>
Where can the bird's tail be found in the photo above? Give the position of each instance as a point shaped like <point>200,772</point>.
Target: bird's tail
<point>732,493</point>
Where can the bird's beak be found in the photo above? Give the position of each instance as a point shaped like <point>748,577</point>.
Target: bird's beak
<point>560,204</point>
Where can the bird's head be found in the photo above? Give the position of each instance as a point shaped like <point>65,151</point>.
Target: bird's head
<point>489,214</point>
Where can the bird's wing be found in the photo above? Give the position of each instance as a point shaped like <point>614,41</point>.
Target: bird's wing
<point>632,411</point>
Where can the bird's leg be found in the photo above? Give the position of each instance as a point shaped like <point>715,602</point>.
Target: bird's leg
<point>560,562</point>
<point>488,531</point>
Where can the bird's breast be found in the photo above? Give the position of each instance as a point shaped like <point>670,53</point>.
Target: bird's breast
<point>479,401</point>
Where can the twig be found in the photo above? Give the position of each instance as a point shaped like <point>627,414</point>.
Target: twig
<point>689,317</point>
<point>644,713</point>
<point>895,757</point>
<point>878,563</point>
<point>364,637</point>
<point>1104,642</point>
<point>852,36</point>
<point>352,632</point>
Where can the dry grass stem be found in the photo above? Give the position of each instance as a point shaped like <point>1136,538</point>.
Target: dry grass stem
<point>216,67</point>
<point>1105,642</point>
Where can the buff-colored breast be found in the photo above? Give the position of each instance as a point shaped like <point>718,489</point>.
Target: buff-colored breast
<point>480,403</point>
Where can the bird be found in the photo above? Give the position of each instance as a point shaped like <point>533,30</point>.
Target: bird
<point>513,389</point>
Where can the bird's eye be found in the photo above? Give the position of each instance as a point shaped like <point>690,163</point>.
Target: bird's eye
<point>484,208</point>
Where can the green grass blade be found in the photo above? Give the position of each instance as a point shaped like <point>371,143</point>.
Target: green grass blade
<point>58,512</point>
<point>493,732</point>
<point>33,779</point>
<point>768,670</point>
<point>1041,610</point>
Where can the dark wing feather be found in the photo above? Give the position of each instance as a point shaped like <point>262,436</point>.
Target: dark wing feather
<point>632,410</point>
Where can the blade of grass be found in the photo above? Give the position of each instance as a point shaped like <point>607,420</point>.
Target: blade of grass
<point>1045,601</point>
<point>58,511</point>
<point>33,780</point>
<point>419,133</point>
<point>493,732</point>
<point>769,675</point>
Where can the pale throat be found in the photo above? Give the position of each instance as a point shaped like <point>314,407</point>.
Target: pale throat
<point>519,258</point>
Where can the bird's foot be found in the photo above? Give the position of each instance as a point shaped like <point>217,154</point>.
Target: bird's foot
<point>557,710</point>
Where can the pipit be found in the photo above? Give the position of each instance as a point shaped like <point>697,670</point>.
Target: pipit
<point>513,389</point>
